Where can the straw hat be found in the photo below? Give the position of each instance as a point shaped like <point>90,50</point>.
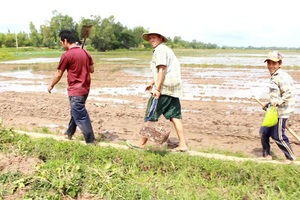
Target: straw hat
<point>154,31</point>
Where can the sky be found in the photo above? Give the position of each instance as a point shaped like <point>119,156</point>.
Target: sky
<point>239,23</point>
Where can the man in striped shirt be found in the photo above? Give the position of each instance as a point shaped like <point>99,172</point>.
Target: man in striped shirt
<point>166,87</point>
<point>281,91</point>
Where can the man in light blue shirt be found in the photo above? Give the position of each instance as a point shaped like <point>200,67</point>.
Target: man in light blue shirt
<point>281,91</point>
<point>166,87</point>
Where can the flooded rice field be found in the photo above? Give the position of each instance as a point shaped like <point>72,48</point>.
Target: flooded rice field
<point>236,83</point>
<point>232,84</point>
<point>239,59</point>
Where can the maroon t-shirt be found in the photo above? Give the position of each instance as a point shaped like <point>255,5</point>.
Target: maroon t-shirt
<point>77,62</point>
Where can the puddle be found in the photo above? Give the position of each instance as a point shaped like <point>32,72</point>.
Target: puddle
<point>26,81</point>
<point>32,61</point>
<point>222,61</point>
<point>23,86</point>
<point>242,83</point>
<point>239,59</point>
<point>119,59</point>
<point>23,74</point>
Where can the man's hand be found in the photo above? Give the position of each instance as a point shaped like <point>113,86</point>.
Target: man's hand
<point>156,94</point>
<point>149,87</point>
<point>266,106</point>
<point>50,87</point>
<point>56,78</point>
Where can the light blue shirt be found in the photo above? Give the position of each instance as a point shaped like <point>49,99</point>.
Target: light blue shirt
<point>282,93</point>
<point>163,55</point>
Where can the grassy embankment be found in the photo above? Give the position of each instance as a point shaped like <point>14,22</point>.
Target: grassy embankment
<point>74,170</point>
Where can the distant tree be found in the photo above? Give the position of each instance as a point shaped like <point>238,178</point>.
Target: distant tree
<point>59,22</point>
<point>137,35</point>
<point>104,36</point>
<point>118,38</point>
<point>127,39</point>
<point>2,38</point>
<point>10,40</point>
<point>211,46</point>
<point>35,38</point>
<point>177,40</point>
<point>22,39</point>
<point>47,40</point>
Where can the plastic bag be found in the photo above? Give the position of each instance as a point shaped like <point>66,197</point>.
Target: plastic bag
<point>151,109</point>
<point>271,117</point>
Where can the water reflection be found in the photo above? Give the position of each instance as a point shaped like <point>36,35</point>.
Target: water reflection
<point>26,81</point>
<point>238,59</point>
<point>23,74</point>
<point>241,83</point>
<point>32,60</point>
<point>23,86</point>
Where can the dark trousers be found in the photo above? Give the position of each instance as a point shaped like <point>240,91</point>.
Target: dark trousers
<point>277,133</point>
<point>80,118</point>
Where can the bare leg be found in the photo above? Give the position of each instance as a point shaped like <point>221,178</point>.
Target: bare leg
<point>142,142</point>
<point>137,144</point>
<point>179,130</point>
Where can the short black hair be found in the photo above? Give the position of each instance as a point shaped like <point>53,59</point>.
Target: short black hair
<point>67,35</point>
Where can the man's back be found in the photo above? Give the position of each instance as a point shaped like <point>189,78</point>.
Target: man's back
<point>77,62</point>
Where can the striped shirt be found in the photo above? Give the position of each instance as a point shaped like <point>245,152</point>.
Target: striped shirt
<point>163,55</point>
<point>282,93</point>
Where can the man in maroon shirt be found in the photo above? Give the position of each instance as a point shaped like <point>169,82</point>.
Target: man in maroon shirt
<point>79,64</point>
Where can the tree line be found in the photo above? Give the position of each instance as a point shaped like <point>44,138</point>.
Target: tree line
<point>106,34</point>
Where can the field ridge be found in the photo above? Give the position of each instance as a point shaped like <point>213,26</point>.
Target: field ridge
<point>190,152</point>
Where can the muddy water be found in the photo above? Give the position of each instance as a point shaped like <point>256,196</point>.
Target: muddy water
<point>239,59</point>
<point>236,84</point>
<point>23,81</point>
<point>32,60</point>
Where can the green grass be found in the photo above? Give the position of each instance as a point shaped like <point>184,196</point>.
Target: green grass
<point>137,58</point>
<point>26,53</point>
<point>72,169</point>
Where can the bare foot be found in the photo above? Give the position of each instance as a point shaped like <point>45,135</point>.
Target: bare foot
<point>268,157</point>
<point>180,149</point>
<point>135,145</point>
